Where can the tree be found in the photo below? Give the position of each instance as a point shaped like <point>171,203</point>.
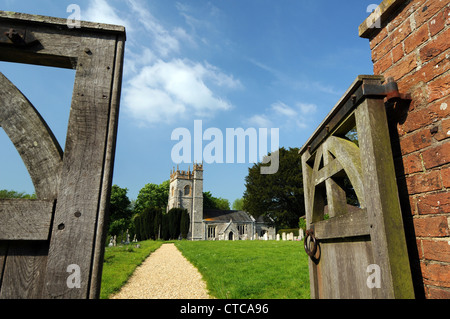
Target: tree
<point>280,195</point>
<point>5,194</point>
<point>184,223</point>
<point>211,202</point>
<point>238,204</point>
<point>153,195</point>
<point>120,212</point>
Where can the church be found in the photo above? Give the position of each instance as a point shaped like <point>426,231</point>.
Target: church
<point>186,191</point>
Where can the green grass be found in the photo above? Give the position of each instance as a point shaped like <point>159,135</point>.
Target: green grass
<point>120,262</point>
<point>251,269</point>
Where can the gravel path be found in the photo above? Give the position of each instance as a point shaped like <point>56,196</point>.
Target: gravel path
<point>165,274</point>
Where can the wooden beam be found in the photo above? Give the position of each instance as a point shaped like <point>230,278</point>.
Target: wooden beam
<point>25,219</point>
<point>351,224</point>
<point>33,139</point>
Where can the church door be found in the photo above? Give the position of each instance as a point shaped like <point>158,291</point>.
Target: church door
<point>230,236</point>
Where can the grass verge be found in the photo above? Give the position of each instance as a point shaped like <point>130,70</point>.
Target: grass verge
<point>120,263</point>
<point>251,269</point>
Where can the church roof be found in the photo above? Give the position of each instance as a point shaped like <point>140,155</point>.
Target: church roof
<point>227,215</point>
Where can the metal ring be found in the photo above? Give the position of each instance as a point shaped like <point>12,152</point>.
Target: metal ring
<point>310,253</point>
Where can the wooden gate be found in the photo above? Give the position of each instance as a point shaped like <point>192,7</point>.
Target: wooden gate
<point>53,247</point>
<point>355,235</point>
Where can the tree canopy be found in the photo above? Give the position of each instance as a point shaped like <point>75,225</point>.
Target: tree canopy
<point>280,195</point>
<point>153,195</point>
<point>211,202</point>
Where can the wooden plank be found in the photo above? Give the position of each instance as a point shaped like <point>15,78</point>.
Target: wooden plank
<point>343,266</point>
<point>103,215</point>
<point>351,224</point>
<point>60,23</point>
<point>23,273</point>
<point>348,154</point>
<point>25,219</point>
<point>58,45</point>
<point>382,202</point>
<point>33,139</point>
<point>79,196</point>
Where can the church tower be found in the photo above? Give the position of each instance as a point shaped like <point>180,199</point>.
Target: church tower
<point>197,204</point>
<point>186,191</point>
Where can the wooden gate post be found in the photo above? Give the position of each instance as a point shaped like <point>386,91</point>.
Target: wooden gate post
<point>66,259</point>
<point>362,236</point>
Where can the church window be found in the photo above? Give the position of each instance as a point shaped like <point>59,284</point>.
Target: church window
<point>241,229</point>
<point>211,232</point>
<point>187,190</point>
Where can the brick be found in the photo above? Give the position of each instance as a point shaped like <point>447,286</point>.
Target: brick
<point>401,32</point>
<point>435,47</point>
<point>428,10</point>
<point>436,250</point>
<point>437,203</point>
<point>431,226</point>
<point>438,293</point>
<point>436,156</point>
<point>382,49</point>
<point>403,67</point>
<point>435,274</point>
<point>378,38</point>
<point>445,172</point>
<point>417,38</point>
<point>439,87</point>
<point>404,14</point>
<point>443,130</point>
<point>415,141</point>
<point>412,164</point>
<point>423,182</point>
<point>397,53</point>
<point>437,23</point>
<point>383,64</point>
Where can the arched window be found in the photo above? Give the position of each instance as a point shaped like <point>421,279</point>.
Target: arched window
<point>187,190</point>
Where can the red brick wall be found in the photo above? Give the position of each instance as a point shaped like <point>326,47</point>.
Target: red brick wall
<point>412,46</point>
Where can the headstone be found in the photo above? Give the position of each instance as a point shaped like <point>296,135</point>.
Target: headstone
<point>278,237</point>
<point>291,236</point>
<point>301,234</point>
<point>111,242</point>
<point>283,236</point>
<point>265,236</point>
<point>128,238</point>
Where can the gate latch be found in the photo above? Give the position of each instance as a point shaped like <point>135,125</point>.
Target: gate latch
<point>389,90</point>
<point>310,234</point>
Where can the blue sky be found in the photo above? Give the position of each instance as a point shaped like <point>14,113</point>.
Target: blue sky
<point>230,63</point>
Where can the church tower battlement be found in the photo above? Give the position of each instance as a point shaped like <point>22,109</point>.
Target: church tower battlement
<point>186,191</point>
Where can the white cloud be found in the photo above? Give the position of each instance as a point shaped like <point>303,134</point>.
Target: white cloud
<point>160,87</point>
<point>100,11</point>
<point>282,115</point>
<point>170,91</point>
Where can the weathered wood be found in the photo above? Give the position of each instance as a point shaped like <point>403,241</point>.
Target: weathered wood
<point>25,264</point>
<point>58,45</point>
<point>39,269</point>
<point>354,239</point>
<point>25,219</point>
<point>382,201</point>
<point>77,209</point>
<point>351,224</point>
<point>99,245</point>
<point>348,155</point>
<point>33,139</point>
